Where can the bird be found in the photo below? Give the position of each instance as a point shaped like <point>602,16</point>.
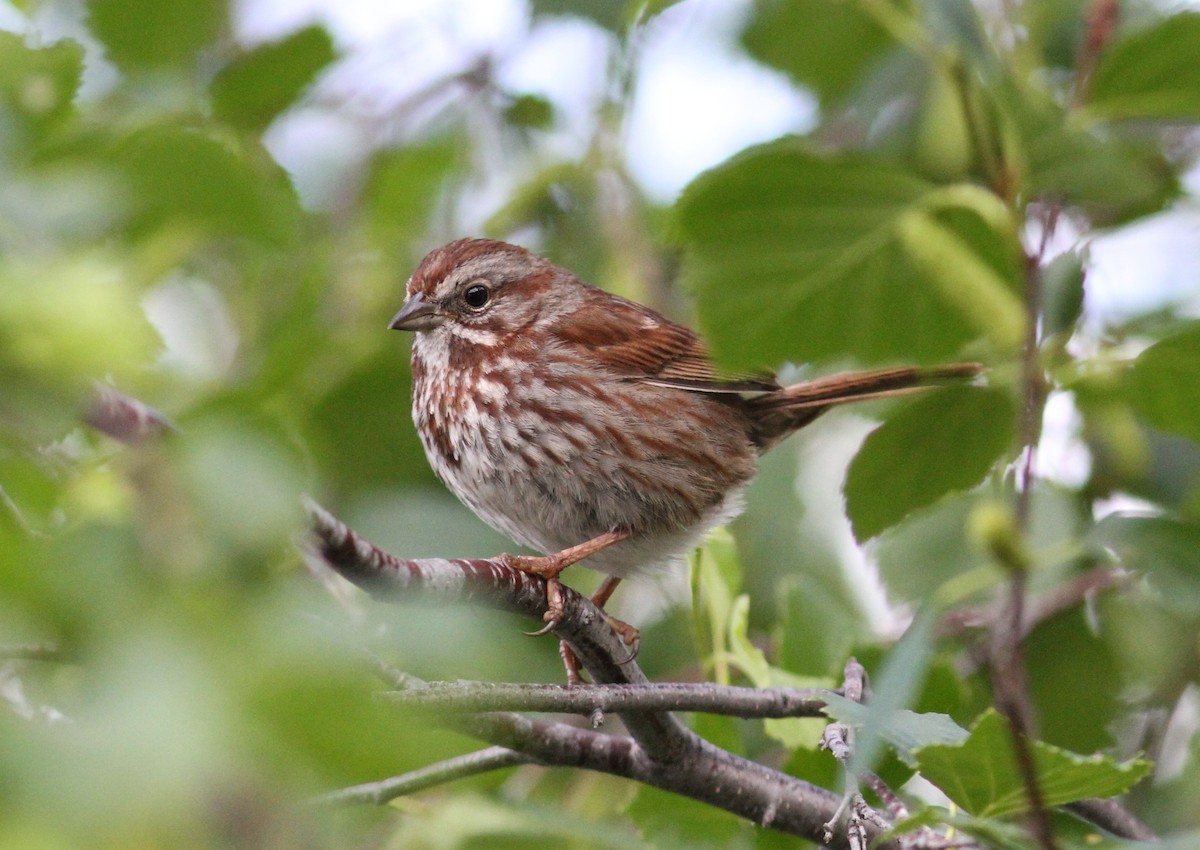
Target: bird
<point>585,425</point>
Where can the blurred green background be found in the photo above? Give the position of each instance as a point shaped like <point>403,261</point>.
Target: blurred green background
<point>213,208</point>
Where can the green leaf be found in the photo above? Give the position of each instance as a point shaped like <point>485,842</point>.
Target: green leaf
<point>991,833</point>
<point>1074,681</point>
<point>980,774</point>
<point>1113,177</point>
<point>895,687</point>
<point>256,86</point>
<point>669,820</point>
<point>71,323</point>
<point>613,15</point>
<point>37,85</point>
<point>1152,73</point>
<point>795,256</point>
<point>186,177</point>
<point>403,188</point>
<point>918,556</point>
<point>1163,386</point>
<point>1165,550</point>
<point>1062,292</point>
<point>151,33</point>
<point>907,731</point>
<point>530,112</point>
<point>830,57</point>
<point>954,267</point>
<point>716,578</point>
<point>946,440</point>
<point>932,552</point>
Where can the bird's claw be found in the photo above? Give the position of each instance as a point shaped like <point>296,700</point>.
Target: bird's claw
<point>554,608</point>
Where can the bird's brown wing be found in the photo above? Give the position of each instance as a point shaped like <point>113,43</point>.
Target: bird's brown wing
<point>637,342</point>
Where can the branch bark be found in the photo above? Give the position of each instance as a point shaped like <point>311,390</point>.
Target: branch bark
<point>659,751</point>
<point>586,699</point>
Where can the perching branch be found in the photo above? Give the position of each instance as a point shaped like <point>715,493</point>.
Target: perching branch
<point>586,699</point>
<point>659,750</point>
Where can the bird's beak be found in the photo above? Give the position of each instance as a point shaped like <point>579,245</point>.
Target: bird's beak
<point>417,314</point>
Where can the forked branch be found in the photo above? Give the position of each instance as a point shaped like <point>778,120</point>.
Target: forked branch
<point>659,750</point>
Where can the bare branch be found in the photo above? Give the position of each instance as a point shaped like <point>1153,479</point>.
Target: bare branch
<point>492,583</point>
<point>585,699</point>
<point>705,773</point>
<point>660,750</point>
<point>1113,817</point>
<point>471,764</point>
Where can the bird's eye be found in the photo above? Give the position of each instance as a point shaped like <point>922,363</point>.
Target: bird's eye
<point>477,296</point>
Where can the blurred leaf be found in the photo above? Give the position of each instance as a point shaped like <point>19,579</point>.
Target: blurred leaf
<point>716,581</point>
<point>813,765</point>
<point>958,270</point>
<point>798,562</point>
<point>980,774</point>
<point>792,732</point>
<point>1152,73</point>
<point>830,58</point>
<point>795,256</point>
<point>149,33</point>
<point>1062,292</point>
<point>1163,385</point>
<point>1151,635</point>
<point>942,148</point>
<point>1165,550</point>
<point>403,188</point>
<point>945,440</point>
<point>612,15</point>
<point>472,821</point>
<point>669,820</point>
<point>1057,30</point>
<point>931,550</point>
<point>351,422</point>
<point>993,834</point>
<point>72,323</point>
<point>187,177</point>
<point>1074,682</point>
<point>531,112</point>
<point>37,85</point>
<point>893,689</point>
<point>256,86</point>
<point>905,730</point>
<point>1113,177</point>
<point>616,16</point>
<point>244,484</point>
<point>1132,457</point>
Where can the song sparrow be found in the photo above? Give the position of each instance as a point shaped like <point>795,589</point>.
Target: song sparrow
<point>582,424</point>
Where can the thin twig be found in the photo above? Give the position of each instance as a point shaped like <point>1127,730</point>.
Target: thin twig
<point>1055,601</point>
<point>1009,678</point>
<point>1113,817</point>
<point>1101,25</point>
<point>471,764</point>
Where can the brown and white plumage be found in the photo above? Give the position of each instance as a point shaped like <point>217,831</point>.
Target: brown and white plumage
<point>558,412</point>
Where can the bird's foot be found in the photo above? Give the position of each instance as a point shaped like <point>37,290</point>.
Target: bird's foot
<point>550,566</point>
